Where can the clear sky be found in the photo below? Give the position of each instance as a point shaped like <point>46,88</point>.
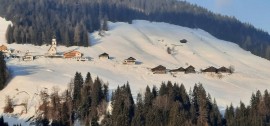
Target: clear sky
<point>255,12</point>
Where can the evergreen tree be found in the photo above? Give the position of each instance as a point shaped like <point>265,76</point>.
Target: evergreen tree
<point>96,92</point>
<point>9,34</point>
<point>3,71</point>
<point>139,117</point>
<point>123,107</point>
<point>78,83</point>
<point>2,123</point>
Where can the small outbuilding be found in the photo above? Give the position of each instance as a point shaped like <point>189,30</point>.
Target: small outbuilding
<point>223,70</point>
<point>28,58</point>
<point>183,41</point>
<point>130,61</point>
<point>159,70</point>
<point>181,69</point>
<point>190,69</point>
<point>210,70</point>
<point>104,56</point>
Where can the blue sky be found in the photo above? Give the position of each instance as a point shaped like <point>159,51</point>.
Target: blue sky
<point>255,12</point>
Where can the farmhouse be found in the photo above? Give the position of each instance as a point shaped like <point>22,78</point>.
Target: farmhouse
<point>72,54</point>
<point>210,70</point>
<point>3,48</point>
<point>223,70</point>
<point>104,56</point>
<point>52,50</point>
<point>159,70</point>
<point>190,69</point>
<point>181,69</point>
<point>130,61</point>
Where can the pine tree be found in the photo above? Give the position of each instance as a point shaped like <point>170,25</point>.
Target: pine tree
<point>77,35</point>
<point>2,122</point>
<point>78,83</point>
<point>3,71</point>
<point>139,117</point>
<point>123,107</point>
<point>9,34</point>
<point>96,92</point>
<point>148,98</point>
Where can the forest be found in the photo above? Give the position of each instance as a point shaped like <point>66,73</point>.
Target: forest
<point>171,104</point>
<point>37,21</point>
<point>3,72</point>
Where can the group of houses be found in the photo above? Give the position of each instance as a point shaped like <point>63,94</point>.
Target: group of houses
<point>163,70</point>
<point>190,69</point>
<point>52,53</point>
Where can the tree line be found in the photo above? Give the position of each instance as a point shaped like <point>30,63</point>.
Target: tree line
<point>37,21</point>
<point>86,101</point>
<point>3,71</point>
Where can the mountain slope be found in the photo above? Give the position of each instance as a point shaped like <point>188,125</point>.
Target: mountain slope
<point>148,43</point>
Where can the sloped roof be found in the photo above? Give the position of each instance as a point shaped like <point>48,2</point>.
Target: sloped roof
<point>159,67</point>
<point>224,69</point>
<point>178,70</point>
<point>72,52</point>
<point>104,54</point>
<point>210,69</point>
<point>130,58</point>
<point>3,47</point>
<point>190,67</point>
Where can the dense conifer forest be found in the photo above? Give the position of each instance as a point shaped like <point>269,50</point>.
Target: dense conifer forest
<point>3,71</point>
<point>37,21</point>
<point>87,100</point>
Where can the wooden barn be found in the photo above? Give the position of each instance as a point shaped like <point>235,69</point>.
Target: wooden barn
<point>72,54</point>
<point>130,61</point>
<point>223,70</point>
<point>181,69</point>
<point>104,56</point>
<point>210,70</point>
<point>159,70</point>
<point>190,69</point>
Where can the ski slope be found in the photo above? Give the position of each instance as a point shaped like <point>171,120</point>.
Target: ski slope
<point>147,42</point>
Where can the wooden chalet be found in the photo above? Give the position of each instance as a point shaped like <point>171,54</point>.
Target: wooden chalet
<point>181,69</point>
<point>190,69</point>
<point>3,48</point>
<point>210,70</point>
<point>223,70</point>
<point>104,56</point>
<point>72,54</point>
<point>159,70</point>
<point>130,61</point>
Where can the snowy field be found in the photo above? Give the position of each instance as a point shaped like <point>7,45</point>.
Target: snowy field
<point>148,43</point>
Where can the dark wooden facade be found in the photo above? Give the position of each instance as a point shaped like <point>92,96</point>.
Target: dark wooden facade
<point>210,70</point>
<point>190,69</point>
<point>159,70</point>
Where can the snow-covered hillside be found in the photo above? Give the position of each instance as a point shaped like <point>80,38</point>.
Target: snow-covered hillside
<point>148,43</point>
